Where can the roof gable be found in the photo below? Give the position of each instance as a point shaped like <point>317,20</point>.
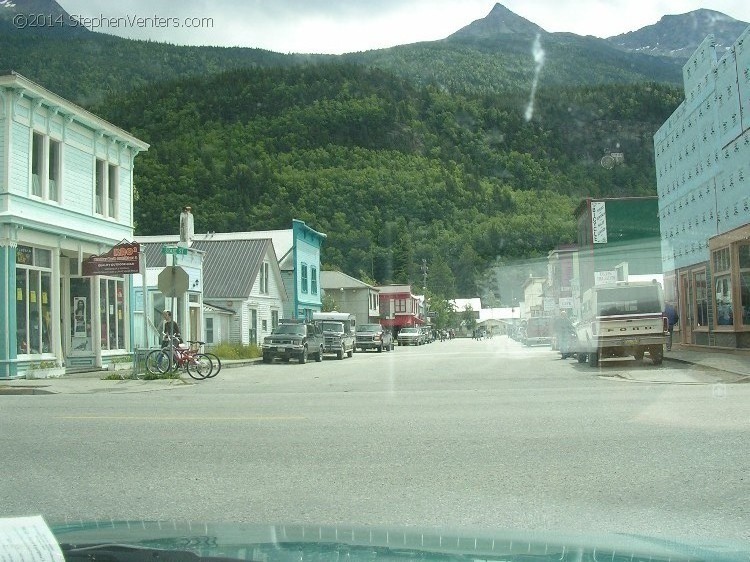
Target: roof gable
<point>230,267</point>
<point>339,280</point>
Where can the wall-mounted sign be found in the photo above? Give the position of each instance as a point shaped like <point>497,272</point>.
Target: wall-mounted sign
<point>123,258</point>
<point>602,277</point>
<point>599,222</point>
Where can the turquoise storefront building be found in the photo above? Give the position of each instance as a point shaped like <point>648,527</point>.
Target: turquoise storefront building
<point>66,194</point>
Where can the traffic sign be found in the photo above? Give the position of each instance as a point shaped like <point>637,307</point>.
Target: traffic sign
<point>178,250</point>
<point>173,281</point>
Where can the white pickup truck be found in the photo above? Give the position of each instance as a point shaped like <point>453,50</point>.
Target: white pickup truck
<point>622,319</point>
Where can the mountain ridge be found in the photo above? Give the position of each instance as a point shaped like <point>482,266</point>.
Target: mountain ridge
<point>679,35</point>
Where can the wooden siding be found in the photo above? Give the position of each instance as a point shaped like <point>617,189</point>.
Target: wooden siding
<point>264,303</point>
<point>288,278</point>
<point>78,181</point>
<point>19,159</point>
<point>3,125</point>
<point>235,327</point>
<point>308,254</point>
<point>77,166</point>
<point>124,195</point>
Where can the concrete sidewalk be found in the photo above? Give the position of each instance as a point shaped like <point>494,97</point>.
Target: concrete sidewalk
<point>734,362</point>
<point>92,382</point>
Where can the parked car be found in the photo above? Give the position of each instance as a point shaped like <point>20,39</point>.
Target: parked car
<point>373,336</point>
<point>293,340</point>
<point>410,336</point>
<point>537,331</point>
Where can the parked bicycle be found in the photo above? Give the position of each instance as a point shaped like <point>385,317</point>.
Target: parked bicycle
<point>171,358</point>
<point>214,359</point>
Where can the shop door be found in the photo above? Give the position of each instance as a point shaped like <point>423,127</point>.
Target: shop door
<point>685,310</point>
<point>194,323</point>
<point>77,307</point>
<point>253,327</point>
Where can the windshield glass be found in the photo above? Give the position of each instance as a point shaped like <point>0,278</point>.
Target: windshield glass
<point>454,181</point>
<point>289,329</point>
<point>628,300</point>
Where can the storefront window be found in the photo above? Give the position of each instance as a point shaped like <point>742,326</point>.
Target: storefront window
<point>744,253</point>
<point>33,315</point>
<point>99,196</point>
<point>112,194</point>
<point>724,312</point>
<point>112,314</point>
<point>37,163</point>
<point>54,171</point>
<point>723,286</point>
<point>701,299</point>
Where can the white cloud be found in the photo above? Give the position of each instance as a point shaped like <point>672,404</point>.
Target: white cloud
<point>337,26</point>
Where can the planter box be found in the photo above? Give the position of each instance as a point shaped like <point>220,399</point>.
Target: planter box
<point>46,373</point>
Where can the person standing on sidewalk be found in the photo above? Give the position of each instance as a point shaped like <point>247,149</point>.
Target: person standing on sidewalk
<point>670,313</point>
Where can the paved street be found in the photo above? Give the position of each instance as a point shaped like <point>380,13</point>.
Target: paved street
<point>461,434</point>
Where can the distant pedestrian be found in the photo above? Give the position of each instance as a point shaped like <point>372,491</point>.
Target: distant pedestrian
<point>564,331</point>
<point>170,330</point>
<point>670,313</point>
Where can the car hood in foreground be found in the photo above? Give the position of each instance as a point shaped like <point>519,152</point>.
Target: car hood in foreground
<point>302,543</point>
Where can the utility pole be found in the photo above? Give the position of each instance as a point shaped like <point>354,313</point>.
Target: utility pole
<point>424,274</point>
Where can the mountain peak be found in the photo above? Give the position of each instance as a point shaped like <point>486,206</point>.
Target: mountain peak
<point>500,21</point>
<point>38,17</point>
<point>679,35</point>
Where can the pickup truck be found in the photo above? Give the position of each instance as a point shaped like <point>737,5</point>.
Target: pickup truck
<point>619,320</point>
<point>374,336</point>
<point>338,332</point>
<point>298,340</point>
<point>336,340</point>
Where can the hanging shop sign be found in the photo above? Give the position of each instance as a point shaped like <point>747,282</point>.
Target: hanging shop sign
<point>122,258</point>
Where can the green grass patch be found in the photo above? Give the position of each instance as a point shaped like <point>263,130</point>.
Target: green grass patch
<point>237,351</point>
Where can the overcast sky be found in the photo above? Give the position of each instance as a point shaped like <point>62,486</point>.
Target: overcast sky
<point>339,26</point>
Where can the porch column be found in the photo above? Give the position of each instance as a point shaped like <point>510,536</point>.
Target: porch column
<point>8,341</point>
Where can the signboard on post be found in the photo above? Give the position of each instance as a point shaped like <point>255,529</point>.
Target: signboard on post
<point>173,281</point>
<point>176,250</point>
<point>122,258</point>
<point>599,222</point>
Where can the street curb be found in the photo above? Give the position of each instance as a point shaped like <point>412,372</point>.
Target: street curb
<point>234,363</point>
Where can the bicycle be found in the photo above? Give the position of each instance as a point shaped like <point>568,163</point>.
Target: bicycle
<point>170,358</point>
<point>214,359</point>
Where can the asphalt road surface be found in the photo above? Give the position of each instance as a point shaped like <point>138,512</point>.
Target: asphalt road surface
<point>469,435</point>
